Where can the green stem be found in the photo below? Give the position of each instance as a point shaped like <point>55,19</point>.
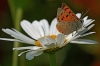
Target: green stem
<point>18,17</point>
<point>16,14</point>
<point>52,59</point>
<point>15,54</point>
<point>16,44</point>
<point>12,9</point>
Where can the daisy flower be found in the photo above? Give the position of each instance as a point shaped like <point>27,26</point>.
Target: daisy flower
<point>46,38</point>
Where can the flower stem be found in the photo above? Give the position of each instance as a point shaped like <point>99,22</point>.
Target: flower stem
<point>16,44</point>
<point>16,13</point>
<point>52,59</point>
<point>12,9</point>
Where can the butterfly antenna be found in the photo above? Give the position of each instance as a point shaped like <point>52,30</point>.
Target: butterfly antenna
<point>82,12</point>
<point>85,13</point>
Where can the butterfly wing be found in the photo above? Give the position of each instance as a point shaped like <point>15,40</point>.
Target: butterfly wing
<point>67,20</point>
<point>66,14</point>
<point>67,28</point>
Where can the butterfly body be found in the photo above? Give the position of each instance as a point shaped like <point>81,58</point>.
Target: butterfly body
<point>67,20</point>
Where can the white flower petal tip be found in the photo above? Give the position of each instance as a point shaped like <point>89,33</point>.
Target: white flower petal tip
<point>48,42</point>
<point>53,30</point>
<point>30,55</point>
<point>28,48</point>
<point>78,15</point>
<point>43,41</point>
<point>86,34</point>
<point>84,41</point>
<point>90,26</point>
<point>85,18</point>
<point>14,49</point>
<point>45,26</point>
<point>60,39</point>
<point>23,52</point>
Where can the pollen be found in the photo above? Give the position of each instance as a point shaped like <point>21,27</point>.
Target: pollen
<point>53,36</point>
<point>38,43</point>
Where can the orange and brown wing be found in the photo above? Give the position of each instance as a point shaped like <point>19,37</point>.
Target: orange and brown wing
<point>66,14</point>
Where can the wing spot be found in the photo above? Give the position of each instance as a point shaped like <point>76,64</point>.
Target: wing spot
<point>66,9</point>
<point>66,15</point>
<point>61,18</point>
<point>69,12</point>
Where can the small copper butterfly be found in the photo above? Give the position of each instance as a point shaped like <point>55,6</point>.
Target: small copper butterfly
<point>67,20</point>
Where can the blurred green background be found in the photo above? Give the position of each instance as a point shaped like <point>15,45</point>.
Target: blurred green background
<point>72,55</point>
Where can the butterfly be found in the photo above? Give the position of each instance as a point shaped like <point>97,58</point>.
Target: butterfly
<point>68,22</point>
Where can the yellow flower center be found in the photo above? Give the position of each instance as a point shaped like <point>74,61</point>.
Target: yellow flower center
<point>65,40</point>
<point>50,50</point>
<point>53,36</point>
<point>38,43</point>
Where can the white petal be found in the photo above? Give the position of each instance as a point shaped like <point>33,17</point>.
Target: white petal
<point>36,48</point>
<point>8,39</point>
<point>29,40</point>
<point>45,26</point>
<point>90,26</point>
<point>43,41</point>
<point>47,42</point>
<point>85,30</point>
<point>38,53</point>
<point>69,36</point>
<point>85,18</point>
<point>53,30</point>
<point>38,28</point>
<point>87,34</point>
<point>82,31</point>
<point>83,41</point>
<point>29,29</point>
<point>74,35</point>
<point>78,15</point>
<point>50,45</point>
<point>29,47</point>
<point>60,39</point>
<point>88,22</point>
<point>19,36</point>
<point>23,52</point>
<point>50,40</point>
<point>78,36</point>
<point>30,55</point>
